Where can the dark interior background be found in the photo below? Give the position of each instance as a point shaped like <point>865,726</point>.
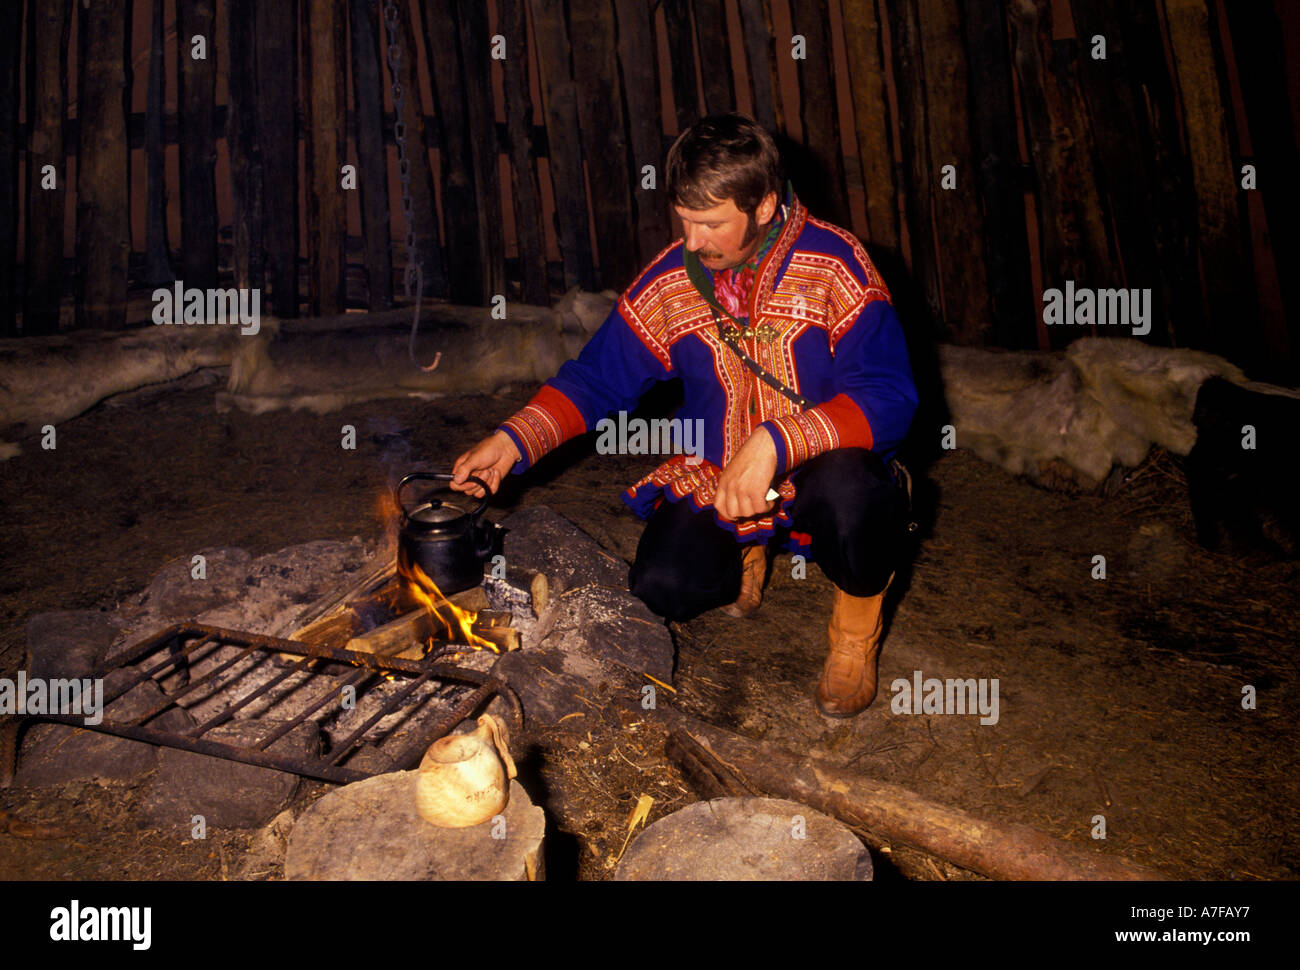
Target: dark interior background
<point>530,127</point>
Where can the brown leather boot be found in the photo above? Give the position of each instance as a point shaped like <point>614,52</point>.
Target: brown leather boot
<point>848,684</point>
<point>753,572</point>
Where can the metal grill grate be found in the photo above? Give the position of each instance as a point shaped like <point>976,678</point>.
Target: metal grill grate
<point>173,650</point>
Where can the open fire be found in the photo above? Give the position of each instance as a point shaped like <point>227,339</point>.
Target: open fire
<point>425,591</point>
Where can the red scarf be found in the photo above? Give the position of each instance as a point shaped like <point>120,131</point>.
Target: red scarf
<point>732,287</point>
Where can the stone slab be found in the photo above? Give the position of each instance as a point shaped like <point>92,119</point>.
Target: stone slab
<point>746,839</point>
<point>372,830</point>
<point>228,794</point>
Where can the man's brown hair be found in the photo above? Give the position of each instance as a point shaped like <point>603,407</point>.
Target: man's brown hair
<point>724,157</point>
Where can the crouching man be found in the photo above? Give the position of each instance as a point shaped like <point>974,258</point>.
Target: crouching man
<point>790,351</point>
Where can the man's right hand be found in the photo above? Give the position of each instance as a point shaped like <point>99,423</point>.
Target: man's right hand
<point>491,460</point>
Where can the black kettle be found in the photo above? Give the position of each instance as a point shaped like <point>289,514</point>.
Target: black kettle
<point>447,542</point>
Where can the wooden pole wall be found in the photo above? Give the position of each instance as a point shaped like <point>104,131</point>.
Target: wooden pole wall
<point>465,257</point>
<point>524,187</point>
<point>604,139</point>
<point>1227,283</point>
<point>485,150</point>
<point>325,116</point>
<point>564,151</point>
<point>245,150</point>
<point>681,54</point>
<point>372,159</point>
<point>645,126</point>
<point>760,51</point>
<point>49,25</point>
<point>10,44</point>
<point>428,238</point>
<point>157,252</point>
<point>1256,28</point>
<point>1132,159</point>
<point>1071,220</point>
<point>197,85</point>
<point>1001,181</point>
<point>103,219</point>
<point>918,170</point>
<point>276,39</point>
<point>871,119</point>
<point>715,56</point>
<point>956,201</point>
<point>825,192</point>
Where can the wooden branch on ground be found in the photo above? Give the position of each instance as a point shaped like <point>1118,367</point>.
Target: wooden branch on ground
<point>995,849</point>
<point>706,774</point>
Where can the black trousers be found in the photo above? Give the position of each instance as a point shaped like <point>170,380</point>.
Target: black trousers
<point>847,501</point>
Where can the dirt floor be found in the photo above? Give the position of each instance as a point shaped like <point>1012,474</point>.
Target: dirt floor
<point>1119,697</point>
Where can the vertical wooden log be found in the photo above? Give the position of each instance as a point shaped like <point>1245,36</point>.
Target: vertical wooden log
<point>49,25</point>
<point>1128,173</point>
<point>871,118</point>
<point>158,267</point>
<point>715,55</point>
<point>1000,181</point>
<point>919,178</point>
<point>604,138</point>
<point>103,193</point>
<point>1071,219</point>
<point>485,150</point>
<point>525,190</point>
<point>820,114</point>
<point>963,274</point>
<point>9,54</point>
<point>681,54</point>
<point>198,144</point>
<point>636,53</point>
<point>245,148</point>
<point>1261,66</point>
<point>466,271</point>
<point>277,60</point>
<point>325,117</point>
<point>371,157</point>
<point>560,98</point>
<point>422,219</point>
<point>760,51</point>
<point>1172,191</point>
<point>1228,284</point>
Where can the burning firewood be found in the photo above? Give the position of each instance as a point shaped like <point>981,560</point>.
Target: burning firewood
<point>495,626</point>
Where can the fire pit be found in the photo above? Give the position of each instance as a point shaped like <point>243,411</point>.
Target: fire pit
<point>322,661</point>
<point>183,645</point>
<point>373,666</point>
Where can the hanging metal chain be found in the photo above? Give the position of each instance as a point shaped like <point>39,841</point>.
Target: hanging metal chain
<point>413,270</point>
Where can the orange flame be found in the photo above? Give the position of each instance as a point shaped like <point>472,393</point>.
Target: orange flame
<point>426,592</point>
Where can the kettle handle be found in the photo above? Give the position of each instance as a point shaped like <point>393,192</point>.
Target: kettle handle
<point>495,728</point>
<point>440,477</point>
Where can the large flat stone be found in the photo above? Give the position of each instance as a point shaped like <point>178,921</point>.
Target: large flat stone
<point>372,830</point>
<point>228,794</point>
<point>596,637</point>
<point>746,839</point>
<point>68,643</point>
<point>262,595</point>
<point>55,754</point>
<point>541,539</point>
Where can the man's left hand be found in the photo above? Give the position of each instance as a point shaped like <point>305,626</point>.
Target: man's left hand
<point>744,482</point>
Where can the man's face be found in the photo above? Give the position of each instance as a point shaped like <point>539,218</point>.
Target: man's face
<point>724,236</point>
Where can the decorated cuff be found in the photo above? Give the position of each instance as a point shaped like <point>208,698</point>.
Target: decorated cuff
<point>542,425</point>
<point>839,423</point>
